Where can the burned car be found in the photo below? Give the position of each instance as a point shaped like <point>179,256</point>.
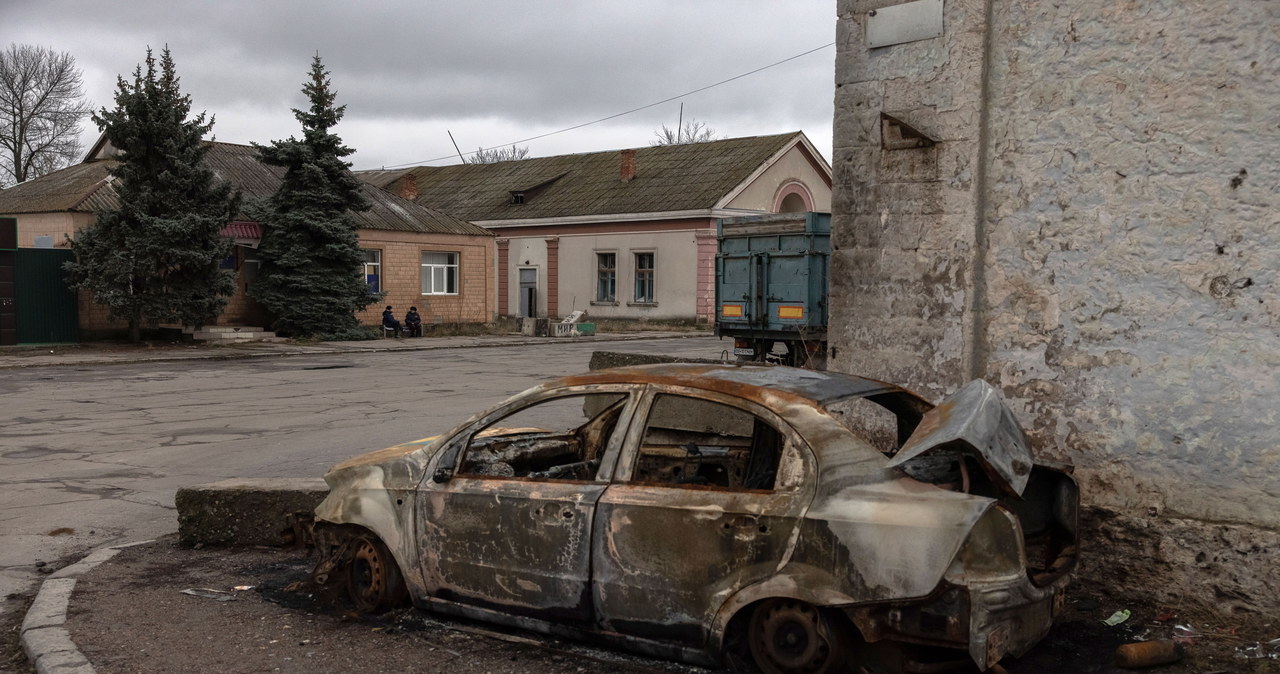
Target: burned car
<point>808,521</point>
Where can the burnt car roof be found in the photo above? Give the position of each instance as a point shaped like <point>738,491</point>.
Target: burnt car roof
<point>745,381</point>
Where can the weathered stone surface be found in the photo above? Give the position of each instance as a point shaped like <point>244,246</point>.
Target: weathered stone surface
<point>50,606</point>
<point>63,662</point>
<point>243,511</point>
<point>1096,231</point>
<point>1179,562</point>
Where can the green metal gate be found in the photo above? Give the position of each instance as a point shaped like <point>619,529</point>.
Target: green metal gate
<point>46,307</point>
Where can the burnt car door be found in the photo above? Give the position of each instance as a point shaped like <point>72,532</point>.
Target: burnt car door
<point>505,517</point>
<point>705,501</point>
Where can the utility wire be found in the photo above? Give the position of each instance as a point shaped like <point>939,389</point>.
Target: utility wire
<point>620,114</point>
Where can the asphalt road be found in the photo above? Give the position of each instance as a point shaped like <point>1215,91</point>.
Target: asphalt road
<point>92,455</point>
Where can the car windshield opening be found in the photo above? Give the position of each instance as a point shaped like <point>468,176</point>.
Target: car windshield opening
<point>561,438</point>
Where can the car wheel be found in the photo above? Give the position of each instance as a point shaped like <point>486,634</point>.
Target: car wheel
<point>788,635</point>
<point>373,578</point>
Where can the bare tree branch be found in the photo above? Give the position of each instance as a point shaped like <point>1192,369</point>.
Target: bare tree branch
<point>496,154</point>
<point>693,131</point>
<point>41,107</point>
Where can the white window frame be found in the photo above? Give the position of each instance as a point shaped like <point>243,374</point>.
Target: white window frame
<point>600,295</point>
<point>442,274</point>
<point>639,277</point>
<point>375,264</point>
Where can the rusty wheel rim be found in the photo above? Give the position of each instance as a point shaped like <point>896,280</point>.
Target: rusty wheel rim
<point>791,636</point>
<point>368,575</point>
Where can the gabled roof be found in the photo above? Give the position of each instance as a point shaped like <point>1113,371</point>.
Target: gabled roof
<point>668,178</point>
<point>87,188</point>
<point>71,189</point>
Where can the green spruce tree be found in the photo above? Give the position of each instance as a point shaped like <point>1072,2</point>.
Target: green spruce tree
<point>156,257</point>
<point>310,275</point>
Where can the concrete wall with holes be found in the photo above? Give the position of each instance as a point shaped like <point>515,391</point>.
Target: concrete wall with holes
<point>1080,202</point>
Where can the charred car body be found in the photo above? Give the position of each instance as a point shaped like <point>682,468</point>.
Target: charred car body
<point>804,519</point>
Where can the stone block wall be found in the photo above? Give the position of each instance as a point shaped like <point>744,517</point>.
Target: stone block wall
<point>1096,230</point>
<point>903,240</point>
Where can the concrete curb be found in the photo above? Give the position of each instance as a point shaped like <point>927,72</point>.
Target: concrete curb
<point>323,350</point>
<point>45,639</point>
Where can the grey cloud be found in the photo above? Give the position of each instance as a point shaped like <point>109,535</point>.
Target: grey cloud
<point>519,66</point>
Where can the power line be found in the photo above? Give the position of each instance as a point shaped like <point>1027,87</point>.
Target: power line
<point>628,112</point>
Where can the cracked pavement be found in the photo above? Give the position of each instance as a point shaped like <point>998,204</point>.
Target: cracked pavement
<point>92,454</point>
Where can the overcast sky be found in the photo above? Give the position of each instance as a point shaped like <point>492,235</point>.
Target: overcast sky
<point>490,72</point>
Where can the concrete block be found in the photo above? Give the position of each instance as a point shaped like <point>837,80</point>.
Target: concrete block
<point>45,640</point>
<point>85,565</point>
<point>50,606</point>
<point>243,511</point>
<point>601,360</point>
<point>63,662</point>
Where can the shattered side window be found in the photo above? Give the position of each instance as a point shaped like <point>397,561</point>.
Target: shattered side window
<point>868,420</point>
<point>561,438</point>
<point>695,442</point>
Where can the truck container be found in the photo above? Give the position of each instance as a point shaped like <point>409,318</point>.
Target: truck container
<point>771,287</point>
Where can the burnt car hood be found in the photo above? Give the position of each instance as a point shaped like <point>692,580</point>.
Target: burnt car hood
<point>977,423</point>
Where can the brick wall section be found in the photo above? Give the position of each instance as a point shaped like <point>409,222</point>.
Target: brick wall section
<point>553,277</point>
<point>402,277</point>
<point>504,251</point>
<point>94,320</point>
<point>241,309</point>
<point>56,225</point>
<point>706,242</point>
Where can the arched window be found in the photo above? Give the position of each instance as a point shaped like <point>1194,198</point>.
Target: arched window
<point>793,197</point>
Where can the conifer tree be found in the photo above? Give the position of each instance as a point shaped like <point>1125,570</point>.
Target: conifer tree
<point>155,258</point>
<point>310,275</point>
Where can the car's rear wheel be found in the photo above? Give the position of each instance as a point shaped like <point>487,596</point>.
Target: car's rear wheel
<point>373,578</point>
<point>788,636</point>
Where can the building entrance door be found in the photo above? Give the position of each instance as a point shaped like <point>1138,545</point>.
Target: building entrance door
<point>528,293</point>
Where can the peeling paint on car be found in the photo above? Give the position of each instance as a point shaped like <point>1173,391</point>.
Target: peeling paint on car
<point>747,491</point>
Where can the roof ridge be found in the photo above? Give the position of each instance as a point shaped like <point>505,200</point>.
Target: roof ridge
<point>646,148</point>
<point>105,181</point>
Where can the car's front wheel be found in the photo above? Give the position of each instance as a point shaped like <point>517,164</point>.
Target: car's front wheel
<point>373,578</point>
<point>788,635</point>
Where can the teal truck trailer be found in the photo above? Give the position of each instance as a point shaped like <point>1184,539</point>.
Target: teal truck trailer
<point>771,287</point>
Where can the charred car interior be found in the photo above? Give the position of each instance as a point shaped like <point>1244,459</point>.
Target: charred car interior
<point>803,521</point>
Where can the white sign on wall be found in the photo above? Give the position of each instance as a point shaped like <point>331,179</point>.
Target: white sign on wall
<point>908,22</point>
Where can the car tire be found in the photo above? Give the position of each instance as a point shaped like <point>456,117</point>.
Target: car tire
<point>789,635</point>
<point>374,581</point>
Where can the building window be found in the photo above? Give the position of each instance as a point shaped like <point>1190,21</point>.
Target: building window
<point>644,278</point>
<point>606,277</point>
<point>439,273</point>
<point>372,269</point>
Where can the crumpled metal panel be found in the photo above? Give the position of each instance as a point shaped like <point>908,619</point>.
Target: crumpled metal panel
<point>979,422</point>
<point>888,539</point>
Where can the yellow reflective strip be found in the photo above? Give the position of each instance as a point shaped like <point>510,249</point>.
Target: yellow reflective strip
<point>790,312</point>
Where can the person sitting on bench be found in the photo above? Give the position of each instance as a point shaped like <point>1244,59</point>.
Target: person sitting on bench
<point>413,322</point>
<point>389,321</point>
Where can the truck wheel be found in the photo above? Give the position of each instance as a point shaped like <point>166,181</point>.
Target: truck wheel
<point>788,635</point>
<point>373,578</point>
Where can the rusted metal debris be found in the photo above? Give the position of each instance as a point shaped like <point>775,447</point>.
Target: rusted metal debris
<point>803,519</point>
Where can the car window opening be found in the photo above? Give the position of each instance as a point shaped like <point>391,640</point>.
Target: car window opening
<point>562,438</point>
<point>693,442</point>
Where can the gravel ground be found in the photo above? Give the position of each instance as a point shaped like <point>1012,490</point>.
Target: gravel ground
<point>130,615</point>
